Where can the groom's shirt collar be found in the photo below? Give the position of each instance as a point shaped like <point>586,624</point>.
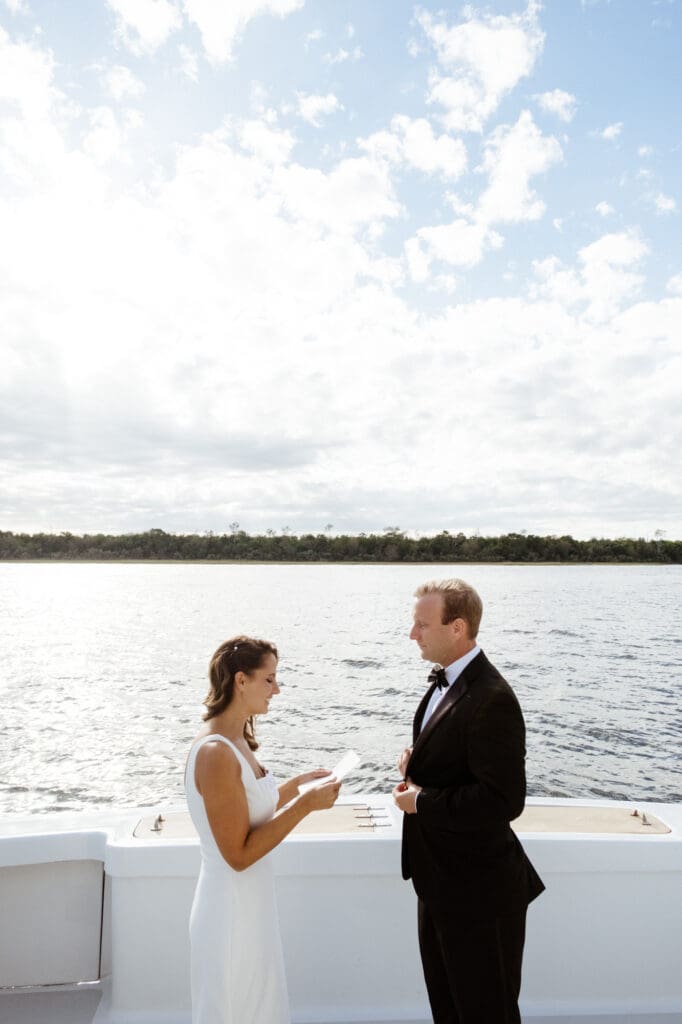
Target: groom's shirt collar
<point>452,673</point>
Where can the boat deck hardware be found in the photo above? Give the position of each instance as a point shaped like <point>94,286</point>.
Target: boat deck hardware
<point>367,819</point>
<point>372,817</point>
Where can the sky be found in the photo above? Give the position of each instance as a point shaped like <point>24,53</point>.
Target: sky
<point>310,264</point>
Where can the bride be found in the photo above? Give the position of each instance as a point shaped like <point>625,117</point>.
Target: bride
<point>241,814</point>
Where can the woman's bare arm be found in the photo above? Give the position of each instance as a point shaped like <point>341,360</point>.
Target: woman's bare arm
<point>218,779</point>
<point>288,790</point>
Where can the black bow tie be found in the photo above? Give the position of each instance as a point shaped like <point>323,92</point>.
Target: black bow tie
<point>437,675</point>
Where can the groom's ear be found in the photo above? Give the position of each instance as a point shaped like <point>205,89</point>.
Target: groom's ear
<point>460,628</point>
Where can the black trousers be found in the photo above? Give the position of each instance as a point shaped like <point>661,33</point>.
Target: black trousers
<point>472,969</point>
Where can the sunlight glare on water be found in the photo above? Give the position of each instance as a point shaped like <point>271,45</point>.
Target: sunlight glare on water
<point>104,670</point>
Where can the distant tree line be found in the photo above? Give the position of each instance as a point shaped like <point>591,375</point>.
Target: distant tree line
<point>391,545</point>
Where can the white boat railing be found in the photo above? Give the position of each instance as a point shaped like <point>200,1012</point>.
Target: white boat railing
<point>107,896</point>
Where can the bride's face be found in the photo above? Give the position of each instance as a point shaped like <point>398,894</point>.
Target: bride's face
<point>261,685</point>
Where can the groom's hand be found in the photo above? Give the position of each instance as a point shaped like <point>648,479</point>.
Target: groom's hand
<point>402,761</point>
<point>405,797</point>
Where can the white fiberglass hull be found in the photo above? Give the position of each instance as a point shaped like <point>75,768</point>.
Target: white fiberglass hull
<point>85,899</point>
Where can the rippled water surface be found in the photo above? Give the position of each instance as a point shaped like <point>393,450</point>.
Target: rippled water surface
<point>103,670</point>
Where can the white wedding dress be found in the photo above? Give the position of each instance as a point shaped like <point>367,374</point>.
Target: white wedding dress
<point>237,967</point>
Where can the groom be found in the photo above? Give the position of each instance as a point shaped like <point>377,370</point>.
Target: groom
<point>464,782</point>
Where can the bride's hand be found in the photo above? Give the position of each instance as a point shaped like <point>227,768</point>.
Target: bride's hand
<point>319,798</point>
<point>317,773</point>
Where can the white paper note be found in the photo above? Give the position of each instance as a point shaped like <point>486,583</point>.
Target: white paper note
<point>348,762</point>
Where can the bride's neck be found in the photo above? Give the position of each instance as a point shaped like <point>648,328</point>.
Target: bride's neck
<point>229,724</point>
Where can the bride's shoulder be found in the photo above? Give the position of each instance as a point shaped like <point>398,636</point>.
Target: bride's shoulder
<point>214,750</point>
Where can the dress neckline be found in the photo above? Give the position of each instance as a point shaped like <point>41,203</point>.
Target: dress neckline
<point>233,746</point>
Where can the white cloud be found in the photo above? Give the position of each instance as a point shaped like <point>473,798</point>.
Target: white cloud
<point>460,243</point>
<point>674,284</point>
<point>228,335</point>
<point>605,277</point>
<point>558,102</point>
<point>173,281</point>
<point>604,209</point>
<point>418,260</point>
<point>222,24</point>
<point>612,131</point>
<point>620,250</point>
<point>17,6</point>
<point>513,155</point>
<point>430,153</point>
<point>342,55</point>
<point>665,204</point>
<point>108,134</point>
<point>645,151</point>
<point>447,283</point>
<point>227,339</point>
<point>189,63</point>
<point>481,59</point>
<point>357,193</point>
<point>26,77</point>
<point>556,281</point>
<point>145,25</point>
<point>258,96</point>
<point>121,83</point>
<point>412,141</point>
<point>103,140</point>
<point>34,115</point>
<point>313,37</point>
<point>314,108</point>
<point>269,144</point>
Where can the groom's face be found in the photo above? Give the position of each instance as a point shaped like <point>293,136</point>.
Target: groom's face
<point>438,641</point>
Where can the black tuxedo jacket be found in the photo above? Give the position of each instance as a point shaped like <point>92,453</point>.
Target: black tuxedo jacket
<point>458,848</point>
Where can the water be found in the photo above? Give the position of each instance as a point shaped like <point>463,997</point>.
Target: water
<point>103,670</point>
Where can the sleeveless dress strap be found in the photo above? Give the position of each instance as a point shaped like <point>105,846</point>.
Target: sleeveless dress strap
<point>223,739</point>
<point>231,745</point>
<point>191,760</point>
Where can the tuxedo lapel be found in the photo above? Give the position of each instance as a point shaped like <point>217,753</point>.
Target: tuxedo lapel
<point>456,692</point>
<point>421,711</point>
<point>451,698</point>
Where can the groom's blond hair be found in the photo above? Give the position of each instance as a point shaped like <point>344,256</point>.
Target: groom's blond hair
<point>460,601</point>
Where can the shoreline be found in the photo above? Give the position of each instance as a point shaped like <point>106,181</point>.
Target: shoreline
<point>312,561</point>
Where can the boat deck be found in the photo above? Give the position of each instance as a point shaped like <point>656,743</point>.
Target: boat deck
<point>63,1004</point>
<point>88,1004</point>
<point>367,818</point>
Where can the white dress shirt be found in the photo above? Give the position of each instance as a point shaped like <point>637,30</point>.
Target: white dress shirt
<point>452,672</point>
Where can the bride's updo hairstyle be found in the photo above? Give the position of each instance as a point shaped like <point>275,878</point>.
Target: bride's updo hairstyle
<point>240,654</point>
